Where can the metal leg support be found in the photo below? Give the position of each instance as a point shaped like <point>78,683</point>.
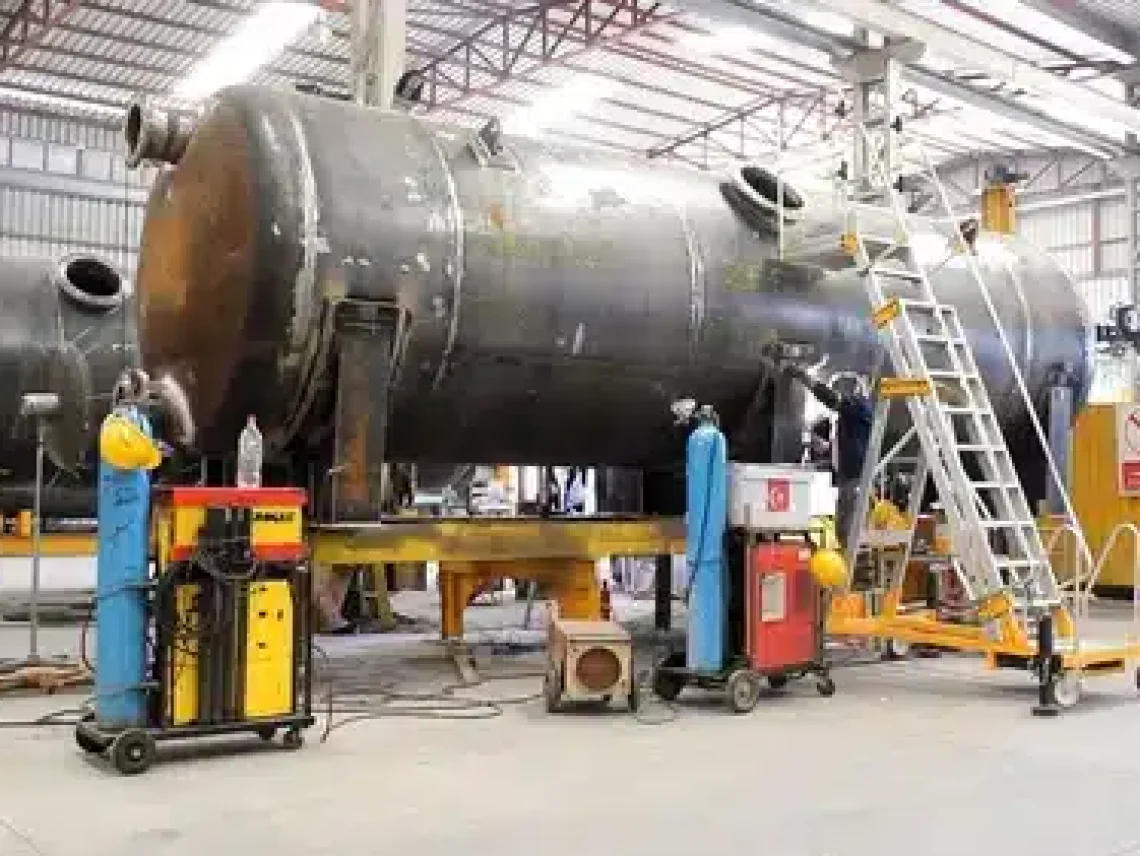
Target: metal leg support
<point>1047,668</point>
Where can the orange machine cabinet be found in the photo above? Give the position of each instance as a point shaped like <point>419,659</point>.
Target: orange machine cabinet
<point>275,519</point>
<point>783,601</point>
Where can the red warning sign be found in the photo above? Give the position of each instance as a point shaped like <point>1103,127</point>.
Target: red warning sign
<point>779,496</point>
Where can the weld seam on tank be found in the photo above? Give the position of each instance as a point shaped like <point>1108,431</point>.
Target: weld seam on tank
<point>698,284</point>
<point>459,255</point>
<point>312,241</point>
<point>80,278</point>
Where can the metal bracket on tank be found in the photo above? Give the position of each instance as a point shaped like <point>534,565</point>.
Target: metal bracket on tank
<point>489,149</point>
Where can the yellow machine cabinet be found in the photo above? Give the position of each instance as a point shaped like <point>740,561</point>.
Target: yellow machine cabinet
<point>269,650</point>
<point>231,593</point>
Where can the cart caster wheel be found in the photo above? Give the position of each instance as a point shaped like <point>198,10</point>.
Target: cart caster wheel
<point>552,692</point>
<point>777,682</point>
<point>634,700</point>
<point>293,739</point>
<point>742,690</point>
<point>897,649</point>
<point>666,686</point>
<point>1065,689</point>
<point>85,741</point>
<point>825,686</point>
<point>132,752</point>
<point>267,734</point>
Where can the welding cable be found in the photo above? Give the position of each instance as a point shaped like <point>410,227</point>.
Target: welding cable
<point>382,700</point>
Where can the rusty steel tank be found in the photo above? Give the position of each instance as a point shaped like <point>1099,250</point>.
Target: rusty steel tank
<point>558,300</point>
<point>66,327</point>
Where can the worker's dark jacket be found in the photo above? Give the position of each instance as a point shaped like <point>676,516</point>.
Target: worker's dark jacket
<point>854,416</point>
<point>852,433</point>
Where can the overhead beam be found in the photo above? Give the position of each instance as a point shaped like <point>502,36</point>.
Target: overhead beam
<point>1019,113</point>
<point>1090,23</point>
<point>28,24</point>
<point>893,20</point>
<point>783,25</point>
<point>591,24</point>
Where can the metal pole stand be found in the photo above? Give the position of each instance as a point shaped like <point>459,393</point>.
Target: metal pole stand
<point>35,671</point>
<point>1046,668</point>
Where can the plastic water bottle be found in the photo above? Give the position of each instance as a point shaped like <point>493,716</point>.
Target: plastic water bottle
<point>249,455</point>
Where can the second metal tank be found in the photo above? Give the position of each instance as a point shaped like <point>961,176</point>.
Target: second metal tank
<point>66,327</point>
<point>559,300</point>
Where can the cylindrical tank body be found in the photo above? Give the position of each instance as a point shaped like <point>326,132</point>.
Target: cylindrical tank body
<point>706,519</point>
<point>559,300</point>
<point>66,327</point>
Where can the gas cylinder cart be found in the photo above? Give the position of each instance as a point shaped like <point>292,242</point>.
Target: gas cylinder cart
<point>757,582</point>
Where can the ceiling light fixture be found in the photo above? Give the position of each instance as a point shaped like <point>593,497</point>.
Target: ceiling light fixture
<point>256,42</point>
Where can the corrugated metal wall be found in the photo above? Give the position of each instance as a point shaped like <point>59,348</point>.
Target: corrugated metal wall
<point>64,187</point>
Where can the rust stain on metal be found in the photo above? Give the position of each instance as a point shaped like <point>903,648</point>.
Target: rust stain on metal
<point>354,449</point>
<point>196,264</point>
<point>497,216</point>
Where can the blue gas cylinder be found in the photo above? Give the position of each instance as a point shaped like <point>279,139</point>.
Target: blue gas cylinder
<point>706,518</point>
<point>122,574</point>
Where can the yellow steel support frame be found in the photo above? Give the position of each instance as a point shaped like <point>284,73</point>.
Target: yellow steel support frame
<point>472,553</point>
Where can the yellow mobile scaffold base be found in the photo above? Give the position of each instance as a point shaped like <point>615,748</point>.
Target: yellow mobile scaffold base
<point>880,614</point>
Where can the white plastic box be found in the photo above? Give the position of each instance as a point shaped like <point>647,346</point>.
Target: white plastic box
<point>766,496</point>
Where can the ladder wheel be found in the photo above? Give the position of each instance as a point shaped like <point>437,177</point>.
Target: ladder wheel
<point>897,649</point>
<point>1065,689</point>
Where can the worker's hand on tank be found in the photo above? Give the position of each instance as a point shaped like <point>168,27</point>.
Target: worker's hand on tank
<point>165,449</point>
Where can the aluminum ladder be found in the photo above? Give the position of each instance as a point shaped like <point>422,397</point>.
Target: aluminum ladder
<point>961,443</point>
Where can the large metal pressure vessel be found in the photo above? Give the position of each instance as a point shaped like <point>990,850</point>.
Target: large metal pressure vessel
<point>558,299</point>
<point>66,327</point>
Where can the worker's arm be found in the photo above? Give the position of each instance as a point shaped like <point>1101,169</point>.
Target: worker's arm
<point>828,397</point>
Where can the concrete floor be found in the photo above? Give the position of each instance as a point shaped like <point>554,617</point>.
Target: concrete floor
<point>925,757</point>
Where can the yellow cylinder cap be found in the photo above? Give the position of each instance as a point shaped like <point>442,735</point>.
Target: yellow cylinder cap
<point>828,567</point>
<point>123,445</point>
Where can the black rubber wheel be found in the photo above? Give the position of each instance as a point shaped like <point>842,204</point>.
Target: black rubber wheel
<point>825,686</point>
<point>1138,678</point>
<point>777,682</point>
<point>667,686</point>
<point>89,744</point>
<point>294,739</point>
<point>132,752</point>
<point>85,741</point>
<point>1065,690</point>
<point>267,733</point>
<point>742,690</point>
<point>634,699</point>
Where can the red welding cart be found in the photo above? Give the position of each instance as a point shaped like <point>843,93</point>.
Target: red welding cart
<point>783,614</point>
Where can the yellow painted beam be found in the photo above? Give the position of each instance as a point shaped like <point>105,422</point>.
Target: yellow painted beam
<point>493,539</point>
<point>54,544</point>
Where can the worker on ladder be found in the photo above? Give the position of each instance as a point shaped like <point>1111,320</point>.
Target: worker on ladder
<point>847,397</point>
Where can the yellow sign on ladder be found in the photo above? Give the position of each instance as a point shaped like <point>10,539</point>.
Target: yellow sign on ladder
<point>886,313</point>
<point>902,387</point>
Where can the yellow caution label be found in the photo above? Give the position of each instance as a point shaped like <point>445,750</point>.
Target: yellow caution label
<point>849,243</point>
<point>902,387</point>
<point>886,313</point>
